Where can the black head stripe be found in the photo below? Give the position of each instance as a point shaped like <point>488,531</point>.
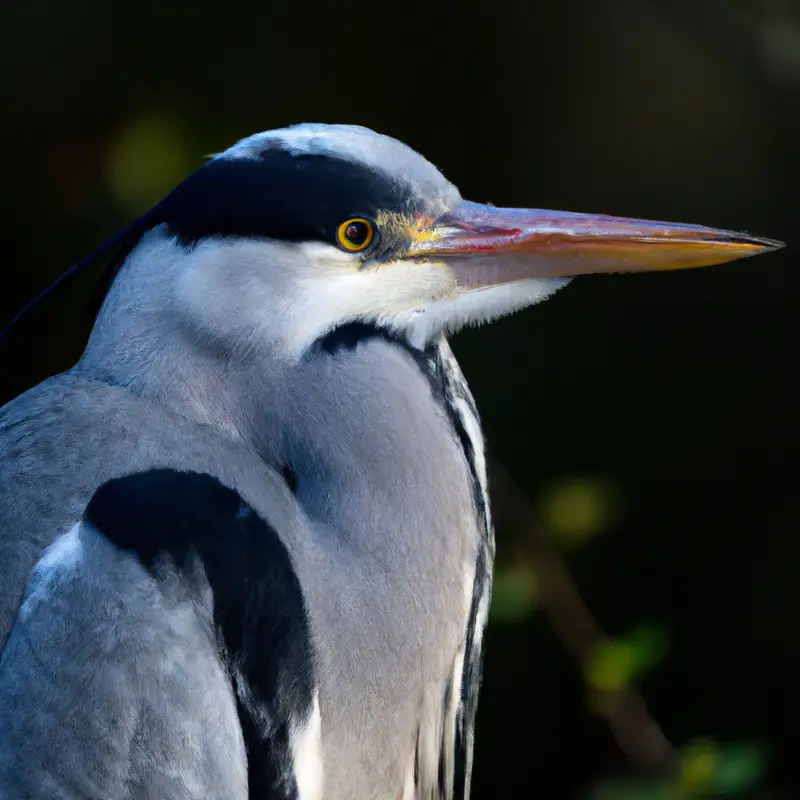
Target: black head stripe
<point>278,195</point>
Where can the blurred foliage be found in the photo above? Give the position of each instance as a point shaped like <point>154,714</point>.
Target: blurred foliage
<point>513,593</point>
<point>617,663</point>
<point>707,770</point>
<point>147,159</point>
<point>577,509</point>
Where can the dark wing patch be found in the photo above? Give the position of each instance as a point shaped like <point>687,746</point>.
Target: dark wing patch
<point>171,518</point>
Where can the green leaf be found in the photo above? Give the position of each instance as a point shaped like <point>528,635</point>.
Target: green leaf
<point>577,509</point>
<point>699,762</point>
<point>513,594</point>
<point>146,160</point>
<point>620,661</point>
<point>650,643</point>
<point>740,768</point>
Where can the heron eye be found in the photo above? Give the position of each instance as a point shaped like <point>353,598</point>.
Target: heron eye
<point>355,234</point>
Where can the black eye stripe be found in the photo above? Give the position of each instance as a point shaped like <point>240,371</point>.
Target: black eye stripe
<point>281,196</point>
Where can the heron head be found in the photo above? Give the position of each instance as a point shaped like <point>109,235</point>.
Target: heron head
<point>292,233</point>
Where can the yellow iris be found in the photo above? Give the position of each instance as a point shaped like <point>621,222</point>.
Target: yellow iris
<point>355,234</point>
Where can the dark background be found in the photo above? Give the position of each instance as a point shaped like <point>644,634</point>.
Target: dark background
<point>650,420</point>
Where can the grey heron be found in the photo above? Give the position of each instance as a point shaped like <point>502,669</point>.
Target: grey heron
<point>245,542</point>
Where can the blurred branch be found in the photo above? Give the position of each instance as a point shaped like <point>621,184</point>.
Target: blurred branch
<point>636,732</point>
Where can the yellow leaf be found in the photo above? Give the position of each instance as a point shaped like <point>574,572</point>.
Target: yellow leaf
<point>577,509</point>
<point>698,768</point>
<point>146,161</point>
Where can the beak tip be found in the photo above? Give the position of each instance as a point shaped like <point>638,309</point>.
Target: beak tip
<point>769,245</point>
<point>725,246</point>
<point>759,245</point>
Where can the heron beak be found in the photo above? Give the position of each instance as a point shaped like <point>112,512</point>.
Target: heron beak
<point>553,244</point>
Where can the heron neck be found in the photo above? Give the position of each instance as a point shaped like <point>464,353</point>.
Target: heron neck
<point>361,415</point>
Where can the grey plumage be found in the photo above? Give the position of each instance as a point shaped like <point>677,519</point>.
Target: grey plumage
<point>69,436</point>
<point>244,342</point>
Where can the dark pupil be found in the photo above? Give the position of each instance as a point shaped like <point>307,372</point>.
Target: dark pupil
<point>356,233</point>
